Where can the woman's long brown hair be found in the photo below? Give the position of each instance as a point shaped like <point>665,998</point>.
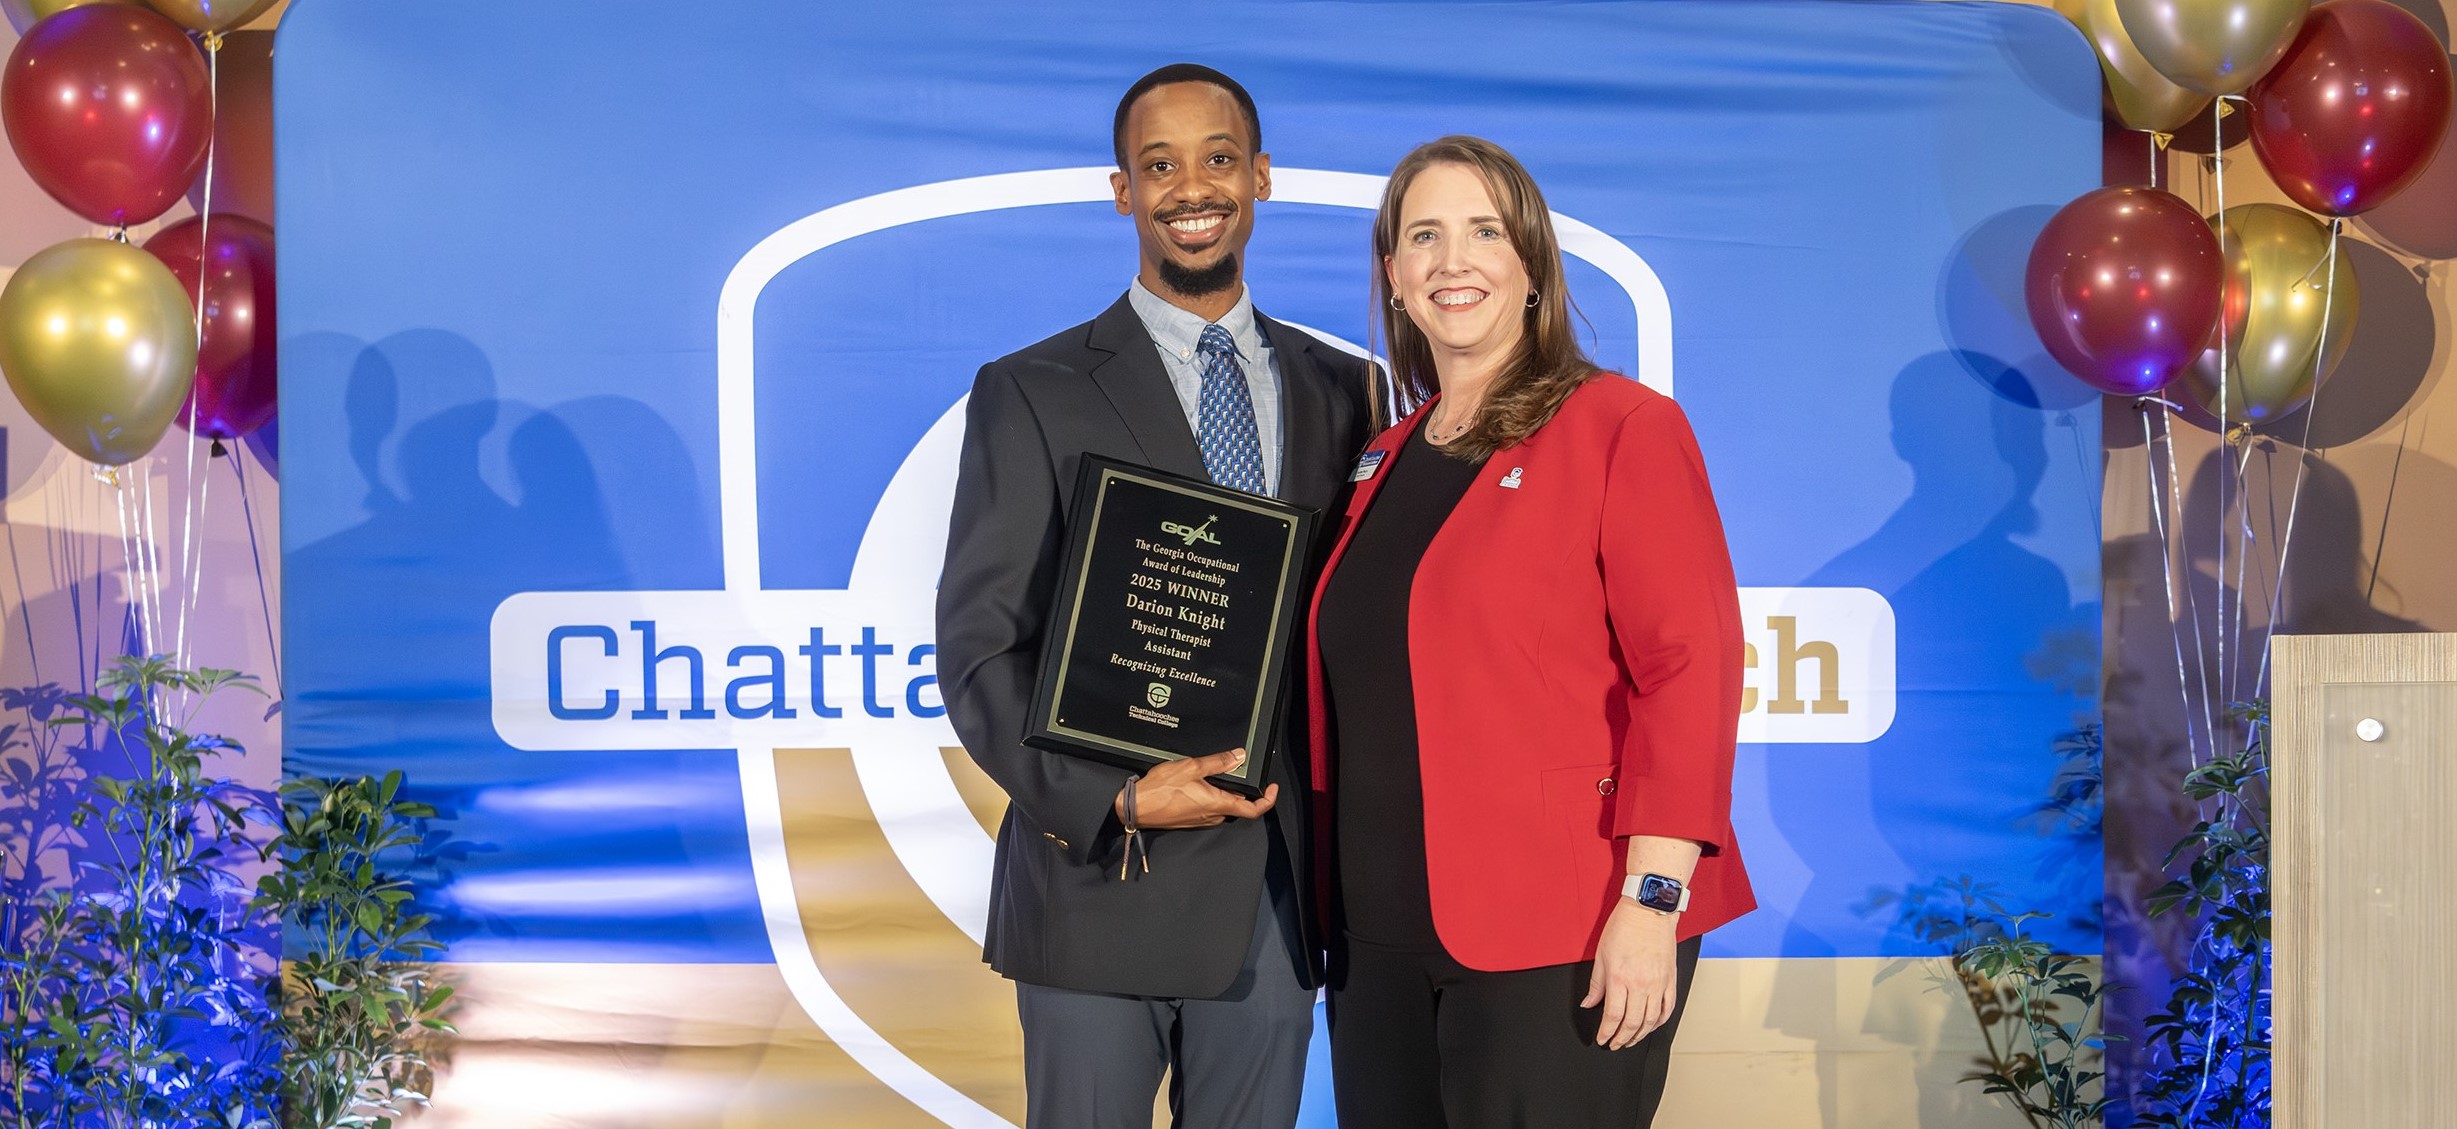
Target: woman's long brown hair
<point>1550,364</point>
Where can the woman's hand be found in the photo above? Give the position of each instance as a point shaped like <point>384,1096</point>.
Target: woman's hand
<point>1636,976</point>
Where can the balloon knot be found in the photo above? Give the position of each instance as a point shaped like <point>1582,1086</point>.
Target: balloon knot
<point>213,41</point>
<point>219,450</point>
<point>2162,140</point>
<point>2239,435</point>
<point>108,476</point>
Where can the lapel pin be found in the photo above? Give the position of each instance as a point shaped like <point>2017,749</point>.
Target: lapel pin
<point>1510,481</point>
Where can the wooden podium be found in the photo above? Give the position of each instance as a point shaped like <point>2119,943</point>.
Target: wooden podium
<point>2364,848</point>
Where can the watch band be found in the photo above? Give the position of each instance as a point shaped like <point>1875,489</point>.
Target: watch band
<point>1656,892</point>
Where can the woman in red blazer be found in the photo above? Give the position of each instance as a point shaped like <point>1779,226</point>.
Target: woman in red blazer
<point>1525,680</point>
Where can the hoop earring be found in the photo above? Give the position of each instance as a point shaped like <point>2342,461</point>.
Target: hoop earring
<point>1397,306</point>
<point>1534,297</point>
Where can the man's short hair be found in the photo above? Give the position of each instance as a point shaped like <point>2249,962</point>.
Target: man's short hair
<point>1183,72</point>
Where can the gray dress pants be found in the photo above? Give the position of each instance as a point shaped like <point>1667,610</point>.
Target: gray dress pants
<point>1094,1061</point>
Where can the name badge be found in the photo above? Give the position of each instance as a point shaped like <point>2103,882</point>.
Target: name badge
<point>1510,481</point>
<point>1366,465</point>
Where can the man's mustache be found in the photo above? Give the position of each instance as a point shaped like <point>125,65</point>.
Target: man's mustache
<point>1183,210</point>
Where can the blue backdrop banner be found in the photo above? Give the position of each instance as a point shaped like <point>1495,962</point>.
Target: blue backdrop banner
<point>622,358</point>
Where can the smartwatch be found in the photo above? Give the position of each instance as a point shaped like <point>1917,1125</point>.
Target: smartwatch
<point>1656,892</point>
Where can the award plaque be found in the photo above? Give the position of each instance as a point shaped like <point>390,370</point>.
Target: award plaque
<point>1174,616</point>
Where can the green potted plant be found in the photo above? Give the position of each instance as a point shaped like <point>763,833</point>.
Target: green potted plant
<point>140,989</point>
<point>359,1011</point>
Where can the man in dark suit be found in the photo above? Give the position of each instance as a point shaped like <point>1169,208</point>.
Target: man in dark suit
<point>1203,961</point>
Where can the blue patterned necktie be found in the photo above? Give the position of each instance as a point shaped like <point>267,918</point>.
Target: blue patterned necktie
<point>1232,446</point>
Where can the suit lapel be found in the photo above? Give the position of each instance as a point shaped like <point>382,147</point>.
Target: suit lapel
<point>1309,468</point>
<point>1138,388</point>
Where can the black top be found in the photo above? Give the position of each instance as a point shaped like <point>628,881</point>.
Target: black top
<point>1378,813</point>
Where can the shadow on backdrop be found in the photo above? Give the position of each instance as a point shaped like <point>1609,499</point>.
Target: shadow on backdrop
<point>1980,620</point>
<point>1981,310</point>
<point>468,500</point>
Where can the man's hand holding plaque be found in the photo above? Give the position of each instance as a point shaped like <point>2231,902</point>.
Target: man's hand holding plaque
<point>1177,795</point>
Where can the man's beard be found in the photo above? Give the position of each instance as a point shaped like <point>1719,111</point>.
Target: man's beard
<point>1200,282</point>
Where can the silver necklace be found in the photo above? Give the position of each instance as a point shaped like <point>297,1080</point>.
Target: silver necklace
<point>1440,433</point>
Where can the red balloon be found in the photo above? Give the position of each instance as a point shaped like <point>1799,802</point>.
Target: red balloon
<point>2123,288</point>
<point>110,108</point>
<point>2422,219</point>
<point>2353,111</point>
<point>233,255</point>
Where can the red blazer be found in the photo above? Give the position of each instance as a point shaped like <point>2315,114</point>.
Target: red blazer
<point>1574,636</point>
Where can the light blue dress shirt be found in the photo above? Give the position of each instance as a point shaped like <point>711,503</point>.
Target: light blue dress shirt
<point>1175,332</point>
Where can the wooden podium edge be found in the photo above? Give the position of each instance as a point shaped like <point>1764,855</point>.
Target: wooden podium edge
<point>2301,665</point>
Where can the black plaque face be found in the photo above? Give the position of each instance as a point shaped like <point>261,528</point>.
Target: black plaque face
<point>1172,623</point>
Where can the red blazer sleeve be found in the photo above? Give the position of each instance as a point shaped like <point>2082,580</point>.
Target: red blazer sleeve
<point>1675,613</point>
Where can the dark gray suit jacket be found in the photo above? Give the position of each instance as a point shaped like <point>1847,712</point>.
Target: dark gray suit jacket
<point>1059,915</point>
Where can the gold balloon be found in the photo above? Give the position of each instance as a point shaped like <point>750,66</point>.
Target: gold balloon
<point>2141,97</point>
<point>211,15</point>
<point>99,342</point>
<point>2283,302</point>
<point>2213,46</point>
<point>42,8</point>
<point>23,13</point>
